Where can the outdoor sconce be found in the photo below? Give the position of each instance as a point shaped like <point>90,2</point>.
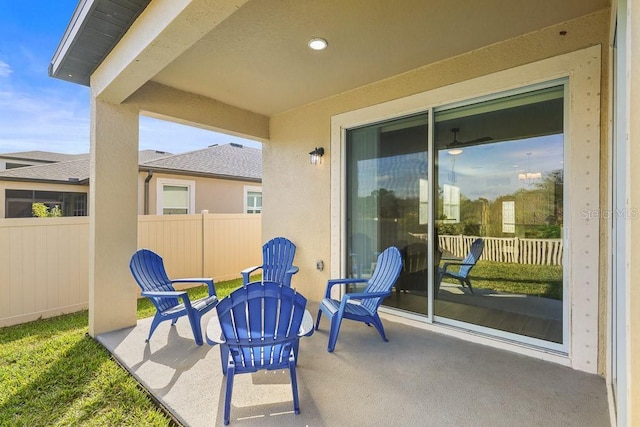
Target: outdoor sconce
<point>316,155</point>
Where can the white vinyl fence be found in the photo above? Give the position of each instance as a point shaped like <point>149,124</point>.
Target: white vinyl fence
<point>44,261</point>
<point>507,249</point>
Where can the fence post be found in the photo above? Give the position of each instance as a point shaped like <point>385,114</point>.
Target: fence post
<point>203,214</point>
<point>516,249</point>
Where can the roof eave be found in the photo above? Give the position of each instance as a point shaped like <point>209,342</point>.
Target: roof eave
<point>63,66</point>
<point>198,174</point>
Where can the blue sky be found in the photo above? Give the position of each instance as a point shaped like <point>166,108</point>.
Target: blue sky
<point>38,112</point>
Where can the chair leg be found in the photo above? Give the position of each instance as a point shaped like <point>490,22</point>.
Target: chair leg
<point>194,320</point>
<point>318,320</point>
<point>333,333</point>
<point>227,396</point>
<point>154,324</point>
<point>468,282</point>
<point>296,347</point>
<point>224,358</point>
<point>294,386</point>
<point>377,323</point>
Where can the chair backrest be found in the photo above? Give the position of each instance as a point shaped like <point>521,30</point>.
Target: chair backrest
<point>260,323</point>
<point>384,276</point>
<point>472,257</point>
<point>277,258</point>
<point>148,270</point>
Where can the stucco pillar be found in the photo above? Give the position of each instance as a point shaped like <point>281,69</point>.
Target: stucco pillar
<point>113,216</point>
<point>633,304</point>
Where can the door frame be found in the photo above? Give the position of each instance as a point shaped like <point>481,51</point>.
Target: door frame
<point>581,226</point>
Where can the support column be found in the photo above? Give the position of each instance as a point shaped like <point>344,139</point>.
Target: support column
<point>113,201</point>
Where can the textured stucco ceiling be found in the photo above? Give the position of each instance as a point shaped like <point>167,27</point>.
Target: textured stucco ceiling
<point>258,58</point>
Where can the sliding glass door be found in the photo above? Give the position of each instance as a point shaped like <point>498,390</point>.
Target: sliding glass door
<point>387,203</point>
<point>496,180</point>
<point>500,182</point>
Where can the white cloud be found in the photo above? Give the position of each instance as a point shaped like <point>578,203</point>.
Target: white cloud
<point>5,69</point>
<point>43,121</point>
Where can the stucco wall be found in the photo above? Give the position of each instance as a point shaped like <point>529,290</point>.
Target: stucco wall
<point>214,195</point>
<point>297,194</point>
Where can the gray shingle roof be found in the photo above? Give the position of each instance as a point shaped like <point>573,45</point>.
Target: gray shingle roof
<point>232,160</point>
<point>146,155</point>
<point>69,171</point>
<point>43,156</point>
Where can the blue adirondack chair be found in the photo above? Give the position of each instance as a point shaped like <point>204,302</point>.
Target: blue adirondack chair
<point>465,266</point>
<point>277,262</point>
<point>147,268</point>
<point>365,308</point>
<point>258,327</point>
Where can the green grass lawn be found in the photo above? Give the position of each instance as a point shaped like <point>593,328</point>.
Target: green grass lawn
<point>526,279</point>
<point>53,374</point>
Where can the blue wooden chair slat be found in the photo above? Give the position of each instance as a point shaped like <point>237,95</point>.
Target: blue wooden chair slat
<point>148,270</point>
<point>465,266</point>
<point>277,262</point>
<point>258,327</point>
<point>365,310</point>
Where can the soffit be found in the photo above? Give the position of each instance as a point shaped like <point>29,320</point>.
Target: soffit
<point>94,30</point>
<point>258,58</point>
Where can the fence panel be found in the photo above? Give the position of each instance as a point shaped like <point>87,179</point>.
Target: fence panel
<point>177,238</point>
<point>233,242</point>
<point>44,262</point>
<point>43,268</point>
<point>507,249</point>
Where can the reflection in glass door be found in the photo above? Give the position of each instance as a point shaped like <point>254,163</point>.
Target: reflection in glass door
<point>497,210</point>
<point>387,204</point>
<point>499,183</point>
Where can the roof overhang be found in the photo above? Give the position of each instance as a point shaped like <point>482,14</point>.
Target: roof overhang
<point>252,55</point>
<point>95,29</point>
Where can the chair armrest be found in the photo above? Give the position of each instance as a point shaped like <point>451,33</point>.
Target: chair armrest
<point>306,327</point>
<point>169,294</point>
<point>247,272</point>
<point>213,334</point>
<point>250,270</point>
<point>206,280</point>
<point>365,295</point>
<point>448,263</point>
<point>332,282</point>
<point>293,270</point>
<point>163,294</point>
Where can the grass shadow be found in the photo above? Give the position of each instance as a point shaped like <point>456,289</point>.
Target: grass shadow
<point>71,380</point>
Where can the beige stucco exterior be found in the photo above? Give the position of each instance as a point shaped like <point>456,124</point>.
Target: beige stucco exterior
<point>307,192</point>
<point>215,195</point>
<point>298,197</point>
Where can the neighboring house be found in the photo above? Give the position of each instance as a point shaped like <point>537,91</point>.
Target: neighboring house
<point>221,179</point>
<point>31,158</point>
<point>525,110</point>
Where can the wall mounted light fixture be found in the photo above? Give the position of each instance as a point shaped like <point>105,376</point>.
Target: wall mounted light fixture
<point>316,155</point>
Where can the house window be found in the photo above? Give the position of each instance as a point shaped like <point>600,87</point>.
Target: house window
<point>19,203</point>
<point>176,197</point>
<point>252,199</point>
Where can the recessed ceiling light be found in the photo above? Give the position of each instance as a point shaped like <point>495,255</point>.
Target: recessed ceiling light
<point>318,43</point>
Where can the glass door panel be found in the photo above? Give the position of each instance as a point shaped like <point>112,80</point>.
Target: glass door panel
<point>499,177</point>
<point>387,204</point>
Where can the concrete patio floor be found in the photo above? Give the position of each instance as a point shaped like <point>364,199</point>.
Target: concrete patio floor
<point>418,378</point>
